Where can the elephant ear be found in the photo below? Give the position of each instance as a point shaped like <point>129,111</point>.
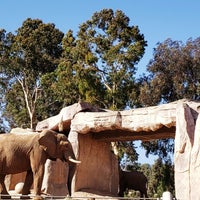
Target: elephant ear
<point>48,142</point>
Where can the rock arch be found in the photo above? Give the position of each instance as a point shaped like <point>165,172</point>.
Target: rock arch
<point>92,129</point>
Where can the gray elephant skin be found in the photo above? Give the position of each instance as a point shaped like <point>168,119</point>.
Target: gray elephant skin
<point>29,152</point>
<point>134,180</point>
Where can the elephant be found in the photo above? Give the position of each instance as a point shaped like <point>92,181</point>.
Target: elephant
<point>29,152</point>
<point>134,180</point>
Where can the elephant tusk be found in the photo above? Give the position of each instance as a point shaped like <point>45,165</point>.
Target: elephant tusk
<point>74,161</point>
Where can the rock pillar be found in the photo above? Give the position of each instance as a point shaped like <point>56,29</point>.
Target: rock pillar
<point>187,152</point>
<point>55,178</point>
<point>195,164</point>
<point>98,171</point>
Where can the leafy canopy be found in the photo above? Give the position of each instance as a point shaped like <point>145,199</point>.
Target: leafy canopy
<point>173,74</point>
<point>99,64</point>
<point>115,49</point>
<point>32,52</point>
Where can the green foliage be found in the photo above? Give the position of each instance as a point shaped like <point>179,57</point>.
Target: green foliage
<point>173,74</point>
<point>175,69</point>
<point>132,194</point>
<point>127,154</point>
<point>161,179</point>
<point>162,148</point>
<point>114,49</point>
<point>72,82</point>
<point>99,64</point>
<point>15,106</point>
<point>25,57</point>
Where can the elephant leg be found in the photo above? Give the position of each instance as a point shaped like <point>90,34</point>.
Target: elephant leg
<point>143,193</point>
<point>38,178</point>
<point>143,190</point>
<point>28,183</point>
<point>121,194</point>
<point>121,191</point>
<point>4,192</point>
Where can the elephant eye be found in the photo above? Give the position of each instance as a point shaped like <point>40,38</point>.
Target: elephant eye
<point>63,145</point>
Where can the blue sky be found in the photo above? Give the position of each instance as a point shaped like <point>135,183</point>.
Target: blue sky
<point>156,19</point>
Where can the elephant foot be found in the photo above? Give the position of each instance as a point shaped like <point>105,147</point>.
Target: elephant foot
<point>5,196</point>
<point>38,197</point>
<point>24,197</point>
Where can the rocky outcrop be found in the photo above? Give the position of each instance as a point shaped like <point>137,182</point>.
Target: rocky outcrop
<point>91,131</point>
<point>187,151</point>
<point>62,121</point>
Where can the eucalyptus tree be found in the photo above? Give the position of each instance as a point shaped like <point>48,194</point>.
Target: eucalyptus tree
<point>115,47</point>
<point>161,178</point>
<point>98,65</point>
<point>75,78</point>
<point>173,74</point>
<point>6,40</point>
<point>35,49</point>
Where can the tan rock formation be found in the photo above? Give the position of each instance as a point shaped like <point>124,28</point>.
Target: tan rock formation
<point>55,178</point>
<point>63,119</point>
<point>98,171</point>
<point>187,147</point>
<point>91,131</point>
